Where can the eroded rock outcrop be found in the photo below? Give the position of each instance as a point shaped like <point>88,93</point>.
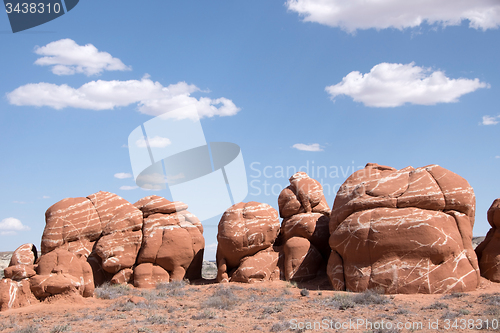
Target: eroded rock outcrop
<point>304,229</point>
<point>103,237</point>
<point>173,238</point>
<point>247,232</point>
<point>403,231</point>
<point>488,251</point>
<point>15,290</point>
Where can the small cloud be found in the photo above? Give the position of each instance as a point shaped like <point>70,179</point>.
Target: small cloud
<point>19,202</point>
<point>123,175</point>
<point>361,14</point>
<point>128,188</point>
<point>124,146</point>
<point>311,147</point>
<point>46,197</point>
<point>487,120</point>
<point>498,156</point>
<point>67,58</point>
<point>155,142</point>
<point>170,179</point>
<point>392,85</point>
<point>11,225</point>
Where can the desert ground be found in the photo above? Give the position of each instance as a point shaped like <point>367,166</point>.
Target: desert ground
<point>278,306</point>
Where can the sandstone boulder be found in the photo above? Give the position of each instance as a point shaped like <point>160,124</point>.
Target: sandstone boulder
<point>61,271</point>
<point>173,238</point>
<point>121,236</point>
<point>15,294</point>
<point>488,251</point>
<point>72,224</point>
<point>245,229</point>
<point>403,231</point>
<point>25,254</point>
<point>305,228</point>
<point>148,275</point>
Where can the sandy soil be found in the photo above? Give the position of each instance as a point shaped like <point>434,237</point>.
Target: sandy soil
<point>205,306</point>
<point>267,307</point>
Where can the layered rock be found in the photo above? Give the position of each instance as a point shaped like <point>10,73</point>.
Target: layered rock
<point>173,238</point>
<point>403,231</point>
<point>304,229</point>
<point>488,251</point>
<point>246,234</point>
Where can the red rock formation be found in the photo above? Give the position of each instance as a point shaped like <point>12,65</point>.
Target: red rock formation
<point>488,252</point>
<point>72,224</point>
<point>245,229</point>
<point>403,231</point>
<point>15,294</point>
<point>26,254</point>
<point>61,271</point>
<point>121,236</point>
<point>304,230</point>
<point>173,239</point>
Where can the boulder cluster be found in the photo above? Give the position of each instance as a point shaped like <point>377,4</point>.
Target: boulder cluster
<point>397,231</point>
<point>104,238</point>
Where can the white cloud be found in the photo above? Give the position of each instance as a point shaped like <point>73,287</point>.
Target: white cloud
<point>19,202</point>
<point>11,225</point>
<point>67,57</point>
<point>498,156</point>
<point>311,147</point>
<point>391,85</point>
<point>151,97</point>
<point>46,197</point>
<point>487,120</point>
<point>128,188</point>
<point>400,14</point>
<point>123,175</point>
<point>154,142</point>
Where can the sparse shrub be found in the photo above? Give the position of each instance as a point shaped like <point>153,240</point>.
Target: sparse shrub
<point>341,301</point>
<point>174,288</point>
<point>463,312</point>
<point>280,326</point>
<point>61,328</point>
<point>401,311</point>
<point>205,314</point>
<point>370,296</point>
<point>291,284</point>
<point>491,299</point>
<point>29,329</point>
<point>223,298</point>
<point>450,315</point>
<point>454,295</point>
<point>157,319</point>
<point>304,292</point>
<point>274,308</point>
<point>109,291</point>
<point>122,306</point>
<point>436,306</point>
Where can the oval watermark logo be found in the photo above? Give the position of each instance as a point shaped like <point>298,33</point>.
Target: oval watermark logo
<point>27,14</point>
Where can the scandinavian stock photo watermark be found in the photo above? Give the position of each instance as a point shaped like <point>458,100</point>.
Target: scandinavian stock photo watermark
<point>357,324</point>
<point>269,180</point>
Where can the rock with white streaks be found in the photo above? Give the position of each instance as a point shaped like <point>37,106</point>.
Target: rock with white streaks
<point>245,229</point>
<point>72,224</point>
<point>61,271</point>
<point>121,236</point>
<point>173,239</point>
<point>403,231</point>
<point>305,228</point>
<point>15,294</point>
<point>25,254</point>
<point>488,251</point>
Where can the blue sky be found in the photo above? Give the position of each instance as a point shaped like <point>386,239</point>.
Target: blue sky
<point>304,83</point>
